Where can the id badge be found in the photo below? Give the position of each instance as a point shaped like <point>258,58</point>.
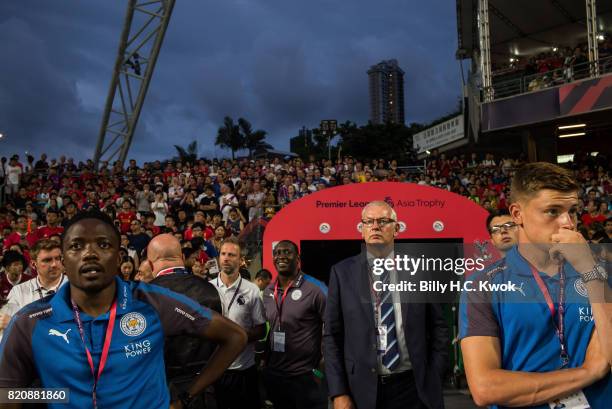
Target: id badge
<point>381,339</point>
<point>278,341</point>
<point>575,401</point>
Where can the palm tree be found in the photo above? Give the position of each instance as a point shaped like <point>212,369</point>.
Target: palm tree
<point>253,140</point>
<point>188,154</point>
<point>229,136</point>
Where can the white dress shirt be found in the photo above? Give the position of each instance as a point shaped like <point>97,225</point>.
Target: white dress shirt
<point>28,292</point>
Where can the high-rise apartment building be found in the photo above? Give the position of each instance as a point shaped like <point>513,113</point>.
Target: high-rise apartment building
<point>386,93</point>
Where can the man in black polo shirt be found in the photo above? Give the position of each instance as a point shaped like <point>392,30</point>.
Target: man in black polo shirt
<point>138,238</point>
<point>295,307</point>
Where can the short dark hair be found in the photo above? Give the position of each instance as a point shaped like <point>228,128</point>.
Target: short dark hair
<point>263,274</point>
<point>197,225</point>
<point>292,244</point>
<point>12,256</point>
<point>188,251</point>
<point>197,242</point>
<point>95,214</point>
<point>493,215</point>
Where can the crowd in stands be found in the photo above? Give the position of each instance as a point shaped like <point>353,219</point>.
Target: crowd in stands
<point>204,202</point>
<point>557,67</point>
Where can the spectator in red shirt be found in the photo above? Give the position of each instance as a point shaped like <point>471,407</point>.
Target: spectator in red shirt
<point>592,215</point>
<point>149,223</point>
<point>125,216</point>
<point>52,227</point>
<point>20,235</point>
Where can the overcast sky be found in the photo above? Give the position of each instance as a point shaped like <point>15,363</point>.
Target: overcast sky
<point>281,64</point>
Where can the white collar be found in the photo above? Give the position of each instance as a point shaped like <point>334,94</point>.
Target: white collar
<point>221,284</point>
<point>59,284</point>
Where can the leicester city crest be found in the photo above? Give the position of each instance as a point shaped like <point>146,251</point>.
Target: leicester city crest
<point>133,324</point>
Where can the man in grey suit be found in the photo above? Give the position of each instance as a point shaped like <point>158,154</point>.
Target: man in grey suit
<point>381,353</point>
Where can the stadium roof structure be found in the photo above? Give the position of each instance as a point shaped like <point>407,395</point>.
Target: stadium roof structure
<point>527,27</point>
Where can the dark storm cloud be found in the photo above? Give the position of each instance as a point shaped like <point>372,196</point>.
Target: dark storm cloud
<point>280,64</point>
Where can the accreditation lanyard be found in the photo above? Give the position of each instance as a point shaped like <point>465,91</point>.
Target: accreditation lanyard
<point>376,295</point>
<point>40,289</point>
<point>235,293</point>
<point>105,349</point>
<point>279,308</point>
<point>165,272</point>
<point>559,324</point>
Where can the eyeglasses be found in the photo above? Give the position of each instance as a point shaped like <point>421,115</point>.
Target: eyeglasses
<point>381,222</point>
<point>505,227</point>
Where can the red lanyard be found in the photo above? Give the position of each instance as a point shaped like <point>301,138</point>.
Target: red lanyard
<point>165,272</point>
<point>105,349</point>
<point>559,325</point>
<point>279,309</point>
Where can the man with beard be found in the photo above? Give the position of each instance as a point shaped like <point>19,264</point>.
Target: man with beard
<point>503,231</point>
<point>295,307</point>
<point>238,387</point>
<point>47,260</point>
<point>108,333</point>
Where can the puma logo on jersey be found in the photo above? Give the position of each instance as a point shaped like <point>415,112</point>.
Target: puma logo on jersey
<point>59,334</point>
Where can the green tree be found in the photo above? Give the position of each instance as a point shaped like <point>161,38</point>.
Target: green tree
<point>253,140</point>
<point>388,141</point>
<point>189,154</point>
<point>229,136</point>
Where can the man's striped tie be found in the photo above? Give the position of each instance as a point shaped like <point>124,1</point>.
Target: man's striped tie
<point>391,357</point>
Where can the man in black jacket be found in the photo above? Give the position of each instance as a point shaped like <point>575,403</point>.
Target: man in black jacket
<point>184,355</point>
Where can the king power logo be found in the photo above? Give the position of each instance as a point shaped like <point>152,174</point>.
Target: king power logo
<point>585,314</point>
<point>134,349</point>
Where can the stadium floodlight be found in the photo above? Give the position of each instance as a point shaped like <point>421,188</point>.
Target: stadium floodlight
<point>600,37</point>
<point>569,135</point>
<point>571,126</point>
<point>1,136</point>
<point>555,49</point>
